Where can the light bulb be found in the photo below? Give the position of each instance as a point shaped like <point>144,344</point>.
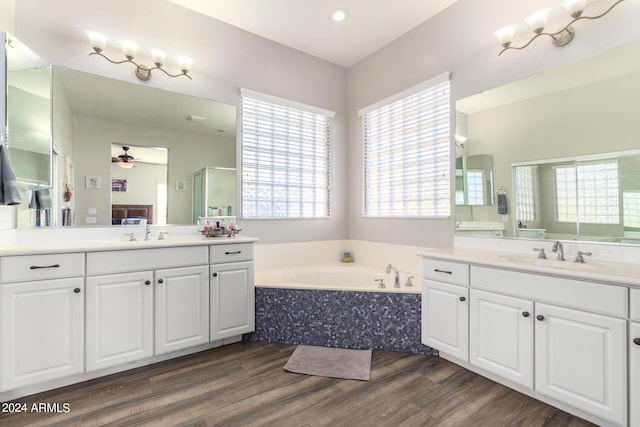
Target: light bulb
<point>184,62</point>
<point>98,40</point>
<point>538,20</point>
<point>158,56</point>
<point>505,35</point>
<point>129,49</point>
<point>574,7</point>
<point>338,15</point>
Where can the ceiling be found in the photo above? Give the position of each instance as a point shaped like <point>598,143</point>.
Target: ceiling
<point>305,25</point>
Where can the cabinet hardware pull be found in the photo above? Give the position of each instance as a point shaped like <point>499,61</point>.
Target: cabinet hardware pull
<point>76,290</point>
<point>232,253</point>
<point>215,274</point>
<point>463,299</point>
<point>442,271</point>
<point>525,314</point>
<point>160,280</point>
<point>35,267</point>
<point>148,282</point>
<point>540,317</point>
<point>636,341</point>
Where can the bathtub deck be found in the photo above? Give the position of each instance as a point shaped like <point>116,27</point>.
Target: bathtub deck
<point>244,384</point>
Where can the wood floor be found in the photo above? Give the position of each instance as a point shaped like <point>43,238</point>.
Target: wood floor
<point>244,384</point>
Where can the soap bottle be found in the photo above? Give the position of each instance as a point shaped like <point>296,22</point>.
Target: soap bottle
<point>347,256</point>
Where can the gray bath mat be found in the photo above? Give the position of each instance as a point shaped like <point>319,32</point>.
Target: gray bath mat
<point>330,362</point>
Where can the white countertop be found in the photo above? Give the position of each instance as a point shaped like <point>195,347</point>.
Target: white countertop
<point>67,246</point>
<point>618,273</point>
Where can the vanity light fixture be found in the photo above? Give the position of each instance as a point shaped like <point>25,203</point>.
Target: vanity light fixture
<point>538,20</point>
<point>129,48</point>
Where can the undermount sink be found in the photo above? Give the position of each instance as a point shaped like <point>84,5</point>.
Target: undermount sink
<point>532,260</point>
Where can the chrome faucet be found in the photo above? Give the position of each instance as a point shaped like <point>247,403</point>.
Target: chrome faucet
<point>147,232</point>
<point>557,247</point>
<point>396,281</point>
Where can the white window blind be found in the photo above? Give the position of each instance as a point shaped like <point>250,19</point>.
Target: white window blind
<point>588,193</point>
<point>285,158</point>
<point>525,181</point>
<point>407,153</point>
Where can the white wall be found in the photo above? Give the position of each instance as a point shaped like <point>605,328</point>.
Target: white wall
<point>226,59</point>
<point>460,39</point>
<point>7,16</point>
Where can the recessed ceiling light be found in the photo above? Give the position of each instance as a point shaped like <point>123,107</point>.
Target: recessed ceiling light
<point>338,15</point>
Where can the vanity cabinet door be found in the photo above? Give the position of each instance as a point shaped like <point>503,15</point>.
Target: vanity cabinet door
<point>501,336</point>
<point>634,374</point>
<point>445,318</point>
<point>42,331</point>
<point>581,360</point>
<point>232,295</point>
<point>119,319</point>
<point>181,308</point>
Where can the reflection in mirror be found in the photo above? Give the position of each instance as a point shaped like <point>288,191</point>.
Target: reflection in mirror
<point>474,180</point>
<point>580,110</point>
<point>214,195</point>
<point>92,112</point>
<point>592,197</point>
<point>138,184</point>
<point>29,135</point>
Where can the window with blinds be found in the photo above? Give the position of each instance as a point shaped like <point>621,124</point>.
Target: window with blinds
<point>286,148</point>
<point>407,153</point>
<point>525,182</point>
<point>588,193</point>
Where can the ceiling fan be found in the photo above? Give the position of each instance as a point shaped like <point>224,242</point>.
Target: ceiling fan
<point>124,160</point>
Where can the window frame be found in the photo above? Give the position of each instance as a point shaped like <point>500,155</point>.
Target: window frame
<point>287,104</point>
<point>446,201</point>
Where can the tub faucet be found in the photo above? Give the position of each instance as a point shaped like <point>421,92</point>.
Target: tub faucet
<point>147,232</point>
<point>557,247</point>
<point>396,280</point>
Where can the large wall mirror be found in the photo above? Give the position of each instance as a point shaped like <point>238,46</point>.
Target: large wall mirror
<point>556,126</point>
<point>28,118</point>
<point>95,117</point>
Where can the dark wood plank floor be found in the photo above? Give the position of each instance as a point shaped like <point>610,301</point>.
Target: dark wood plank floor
<point>244,384</point>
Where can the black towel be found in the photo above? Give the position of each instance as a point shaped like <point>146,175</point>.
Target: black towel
<point>502,204</point>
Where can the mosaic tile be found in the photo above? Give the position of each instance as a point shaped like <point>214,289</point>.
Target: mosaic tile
<point>359,320</point>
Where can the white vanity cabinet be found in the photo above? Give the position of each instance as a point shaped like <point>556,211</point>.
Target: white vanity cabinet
<point>232,290</point>
<point>41,318</point>
<point>119,319</point>
<point>501,335</point>
<point>137,309</point>
<point>445,311</point>
<point>581,360</point>
<point>578,331</point>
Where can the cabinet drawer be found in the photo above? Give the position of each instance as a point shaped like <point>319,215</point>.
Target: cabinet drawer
<point>39,267</point>
<point>231,253</point>
<point>445,271</point>
<point>144,259</point>
<point>597,297</point>
<point>635,305</point>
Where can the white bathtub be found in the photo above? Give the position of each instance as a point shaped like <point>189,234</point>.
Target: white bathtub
<point>336,276</point>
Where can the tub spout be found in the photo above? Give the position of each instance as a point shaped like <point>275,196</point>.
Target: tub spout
<point>396,281</point>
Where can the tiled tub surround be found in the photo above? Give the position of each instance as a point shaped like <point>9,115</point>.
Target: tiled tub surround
<point>339,305</point>
<point>347,319</point>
